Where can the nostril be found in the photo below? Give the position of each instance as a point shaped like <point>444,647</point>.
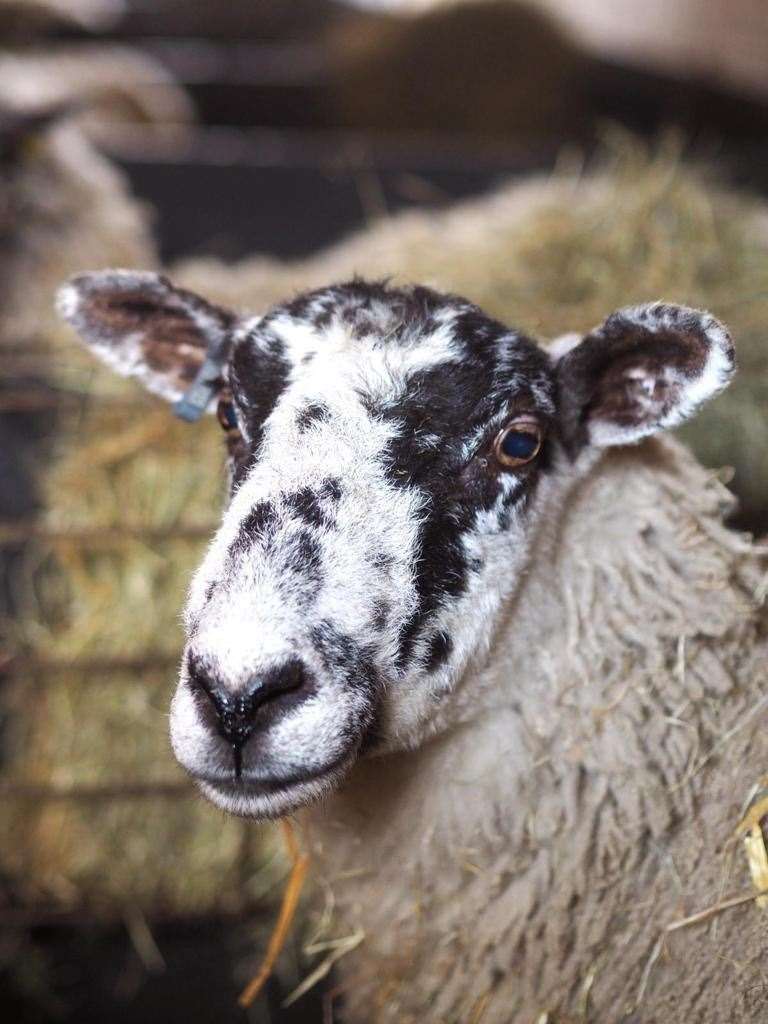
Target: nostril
<point>275,682</point>
<point>202,680</point>
<point>238,712</point>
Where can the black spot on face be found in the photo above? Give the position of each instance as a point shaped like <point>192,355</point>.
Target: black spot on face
<point>338,650</point>
<point>441,569</point>
<point>306,504</point>
<point>380,617</point>
<point>314,412</point>
<point>438,652</point>
<point>472,327</point>
<point>259,374</point>
<point>330,490</point>
<point>259,526</point>
<point>356,318</point>
<point>303,558</point>
<point>239,459</point>
<point>307,550</point>
<point>367,308</point>
<point>382,561</point>
<point>343,656</point>
<point>514,495</point>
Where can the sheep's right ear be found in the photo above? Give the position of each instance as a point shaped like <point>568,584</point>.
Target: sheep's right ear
<point>143,326</point>
<point>644,369</point>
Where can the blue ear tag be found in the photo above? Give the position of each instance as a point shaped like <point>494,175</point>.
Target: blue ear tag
<point>196,399</point>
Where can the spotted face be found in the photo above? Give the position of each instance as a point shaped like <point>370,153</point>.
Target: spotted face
<point>390,453</point>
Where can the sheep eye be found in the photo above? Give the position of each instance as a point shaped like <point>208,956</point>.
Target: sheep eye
<point>225,412</point>
<point>518,443</point>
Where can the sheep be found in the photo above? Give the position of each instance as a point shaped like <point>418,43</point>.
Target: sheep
<point>476,618</point>
<point>497,70</point>
<point>64,205</point>
<point>25,18</point>
<point>118,84</point>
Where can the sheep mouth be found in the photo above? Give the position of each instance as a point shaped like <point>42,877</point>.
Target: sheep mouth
<point>268,798</point>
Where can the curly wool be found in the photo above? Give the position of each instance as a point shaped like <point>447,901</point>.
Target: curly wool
<point>529,860</point>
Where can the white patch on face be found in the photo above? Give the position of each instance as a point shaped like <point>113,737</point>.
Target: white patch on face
<point>417,706</point>
<point>258,616</point>
<point>253,605</point>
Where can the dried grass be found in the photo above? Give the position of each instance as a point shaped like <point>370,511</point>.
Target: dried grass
<point>549,257</point>
<point>118,602</point>
<point>753,830</point>
<point>555,255</point>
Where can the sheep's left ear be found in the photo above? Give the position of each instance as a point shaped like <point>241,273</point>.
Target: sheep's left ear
<point>645,368</point>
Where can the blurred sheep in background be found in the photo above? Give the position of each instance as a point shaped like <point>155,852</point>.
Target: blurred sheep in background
<point>21,19</point>
<point>722,40</point>
<point>495,69</point>
<point>64,205</point>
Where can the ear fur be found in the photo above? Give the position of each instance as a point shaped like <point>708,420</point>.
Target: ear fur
<point>644,369</point>
<point>143,326</point>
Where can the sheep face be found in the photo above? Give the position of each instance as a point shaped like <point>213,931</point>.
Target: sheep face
<point>389,451</point>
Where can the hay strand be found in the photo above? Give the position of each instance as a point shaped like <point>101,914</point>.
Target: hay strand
<point>299,865</point>
<point>143,941</point>
<point>755,844</point>
<point>338,948</point>
<point>700,917</point>
<point>714,910</point>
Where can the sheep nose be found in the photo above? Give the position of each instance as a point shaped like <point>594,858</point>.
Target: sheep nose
<point>264,696</point>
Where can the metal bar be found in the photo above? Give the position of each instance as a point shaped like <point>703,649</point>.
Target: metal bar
<point>42,400</point>
<point>194,60</point>
<point>16,533</point>
<point>27,346</point>
<point>113,915</point>
<point>24,665</point>
<point>95,793</point>
<point>322,148</point>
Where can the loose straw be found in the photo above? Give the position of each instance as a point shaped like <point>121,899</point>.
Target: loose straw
<point>300,863</point>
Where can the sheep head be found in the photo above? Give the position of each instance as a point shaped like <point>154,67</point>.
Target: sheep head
<point>390,451</point>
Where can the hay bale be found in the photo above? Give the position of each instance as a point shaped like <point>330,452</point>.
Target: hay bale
<point>99,813</point>
<point>548,255</point>
<point>116,600</point>
<point>163,851</point>
<point>551,255</point>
